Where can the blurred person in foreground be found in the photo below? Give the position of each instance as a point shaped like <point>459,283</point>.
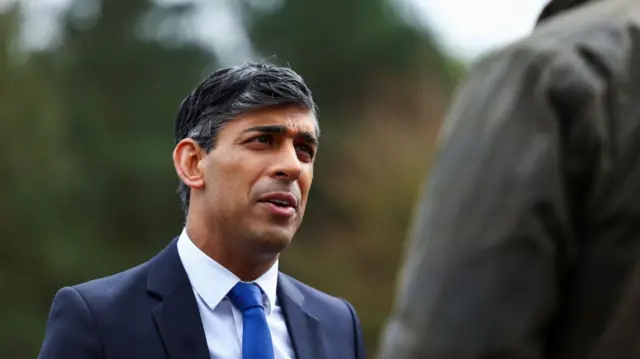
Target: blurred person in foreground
<point>527,240</point>
<point>246,141</point>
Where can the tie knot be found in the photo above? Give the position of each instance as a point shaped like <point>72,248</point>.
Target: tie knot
<point>246,296</point>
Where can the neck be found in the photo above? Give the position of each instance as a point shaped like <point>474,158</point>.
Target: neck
<point>244,264</point>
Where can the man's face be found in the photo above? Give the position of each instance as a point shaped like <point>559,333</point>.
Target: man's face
<point>258,176</point>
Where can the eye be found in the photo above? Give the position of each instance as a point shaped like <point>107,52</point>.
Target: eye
<point>307,152</point>
<point>263,139</point>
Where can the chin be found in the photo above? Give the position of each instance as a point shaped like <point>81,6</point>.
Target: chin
<point>271,240</point>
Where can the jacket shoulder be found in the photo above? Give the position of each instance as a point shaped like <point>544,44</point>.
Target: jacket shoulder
<point>604,30</point>
<point>321,301</point>
<point>122,286</point>
<point>335,314</point>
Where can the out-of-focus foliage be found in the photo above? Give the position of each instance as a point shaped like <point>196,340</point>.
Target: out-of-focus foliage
<point>86,127</point>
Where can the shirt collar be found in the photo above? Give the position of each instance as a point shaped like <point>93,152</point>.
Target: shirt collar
<point>212,281</point>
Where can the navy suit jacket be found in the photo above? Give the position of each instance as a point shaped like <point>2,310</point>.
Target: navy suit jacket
<point>150,311</point>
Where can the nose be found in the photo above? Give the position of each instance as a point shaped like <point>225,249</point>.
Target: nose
<point>287,165</point>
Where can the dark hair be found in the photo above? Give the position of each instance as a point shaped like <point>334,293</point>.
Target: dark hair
<point>230,92</point>
<point>554,7</point>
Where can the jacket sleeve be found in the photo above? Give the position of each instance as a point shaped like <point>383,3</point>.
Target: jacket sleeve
<point>357,333</point>
<point>70,332</point>
<point>494,234</point>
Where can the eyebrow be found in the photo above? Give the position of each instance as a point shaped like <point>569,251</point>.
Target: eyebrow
<point>280,129</point>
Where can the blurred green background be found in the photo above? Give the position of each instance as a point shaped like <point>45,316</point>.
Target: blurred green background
<point>86,131</point>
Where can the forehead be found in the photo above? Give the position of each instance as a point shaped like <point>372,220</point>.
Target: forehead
<point>295,119</point>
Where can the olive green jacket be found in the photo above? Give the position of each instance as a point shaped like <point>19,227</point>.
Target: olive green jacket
<point>526,243</point>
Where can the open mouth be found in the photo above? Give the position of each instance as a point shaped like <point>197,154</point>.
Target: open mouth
<point>280,203</point>
<point>281,199</point>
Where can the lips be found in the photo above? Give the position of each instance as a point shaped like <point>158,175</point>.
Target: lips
<point>280,204</point>
<point>280,199</point>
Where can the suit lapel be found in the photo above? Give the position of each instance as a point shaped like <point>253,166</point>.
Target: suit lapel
<point>176,316</point>
<point>303,327</point>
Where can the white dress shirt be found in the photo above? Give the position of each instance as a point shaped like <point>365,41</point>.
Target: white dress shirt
<point>221,320</point>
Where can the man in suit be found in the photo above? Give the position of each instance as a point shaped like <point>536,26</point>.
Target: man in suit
<point>246,140</point>
<point>527,243</point>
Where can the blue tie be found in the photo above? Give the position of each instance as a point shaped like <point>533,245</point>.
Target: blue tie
<point>256,336</point>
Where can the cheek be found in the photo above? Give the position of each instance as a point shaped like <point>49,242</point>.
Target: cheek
<point>237,177</point>
<point>221,180</point>
<point>305,182</point>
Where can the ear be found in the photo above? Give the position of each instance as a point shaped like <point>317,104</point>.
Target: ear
<point>186,159</point>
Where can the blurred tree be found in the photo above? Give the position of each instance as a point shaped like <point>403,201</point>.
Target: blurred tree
<point>121,90</point>
<point>90,182</point>
<point>32,163</point>
<point>338,46</point>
